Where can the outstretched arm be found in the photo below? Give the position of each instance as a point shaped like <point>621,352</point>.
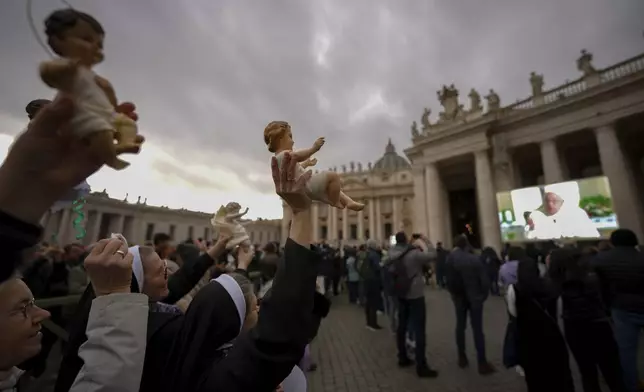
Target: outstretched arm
<point>306,153</point>
<point>239,215</point>
<point>303,154</point>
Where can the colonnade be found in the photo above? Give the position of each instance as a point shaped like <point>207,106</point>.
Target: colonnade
<point>338,222</point>
<point>431,215</point>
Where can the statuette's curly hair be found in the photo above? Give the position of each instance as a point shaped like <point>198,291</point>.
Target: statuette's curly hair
<point>274,132</point>
<point>233,207</point>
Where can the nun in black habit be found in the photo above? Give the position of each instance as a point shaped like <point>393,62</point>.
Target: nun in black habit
<point>194,352</point>
<point>179,284</point>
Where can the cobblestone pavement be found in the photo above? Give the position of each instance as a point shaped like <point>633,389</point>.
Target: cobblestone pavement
<point>352,358</point>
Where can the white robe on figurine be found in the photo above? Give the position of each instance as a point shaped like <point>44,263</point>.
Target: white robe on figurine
<point>94,111</point>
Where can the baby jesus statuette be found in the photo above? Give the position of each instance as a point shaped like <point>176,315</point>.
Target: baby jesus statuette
<point>325,186</point>
<point>229,216</point>
<point>78,39</point>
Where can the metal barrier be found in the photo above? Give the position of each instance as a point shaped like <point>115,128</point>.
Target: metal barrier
<point>47,303</point>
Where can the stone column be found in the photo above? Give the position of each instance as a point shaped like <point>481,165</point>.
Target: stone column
<point>419,215</point>
<point>447,243</point>
<point>489,218</point>
<point>397,223</point>
<point>361,226</point>
<point>141,228</point>
<point>345,225</point>
<point>615,166</point>
<point>316,222</point>
<point>435,215</point>
<point>64,227</point>
<point>551,161</point>
<point>117,223</point>
<point>95,227</point>
<point>378,221</point>
<point>128,229</point>
<point>372,218</point>
<point>506,176</point>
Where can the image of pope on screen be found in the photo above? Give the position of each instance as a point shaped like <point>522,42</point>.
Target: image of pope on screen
<point>557,218</point>
<point>573,209</point>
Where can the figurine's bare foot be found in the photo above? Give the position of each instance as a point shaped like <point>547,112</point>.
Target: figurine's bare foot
<point>355,206</point>
<point>104,148</point>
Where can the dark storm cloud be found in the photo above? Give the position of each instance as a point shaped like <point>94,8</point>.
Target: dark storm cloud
<point>208,76</point>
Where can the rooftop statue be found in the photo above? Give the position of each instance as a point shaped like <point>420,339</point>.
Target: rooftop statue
<point>493,101</point>
<point>536,81</point>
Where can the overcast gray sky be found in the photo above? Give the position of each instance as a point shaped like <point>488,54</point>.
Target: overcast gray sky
<point>207,76</point>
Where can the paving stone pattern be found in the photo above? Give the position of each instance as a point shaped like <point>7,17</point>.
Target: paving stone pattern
<point>352,358</point>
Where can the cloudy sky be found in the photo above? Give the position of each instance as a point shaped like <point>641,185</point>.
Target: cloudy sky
<point>207,76</point>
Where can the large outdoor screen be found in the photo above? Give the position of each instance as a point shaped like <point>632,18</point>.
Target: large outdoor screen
<point>574,209</point>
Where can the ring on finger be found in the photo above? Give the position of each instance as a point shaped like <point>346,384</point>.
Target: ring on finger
<point>120,252</point>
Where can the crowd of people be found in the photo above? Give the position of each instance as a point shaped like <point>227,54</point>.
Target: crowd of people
<point>561,298</point>
<point>181,322</point>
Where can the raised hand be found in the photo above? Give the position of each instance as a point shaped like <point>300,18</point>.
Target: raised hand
<point>291,189</point>
<point>226,231</point>
<point>47,160</point>
<point>109,267</point>
<point>244,256</point>
<point>317,145</point>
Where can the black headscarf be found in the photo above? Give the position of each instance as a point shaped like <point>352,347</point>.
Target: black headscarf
<point>181,350</point>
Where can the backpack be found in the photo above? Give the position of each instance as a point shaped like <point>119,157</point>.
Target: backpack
<point>401,280</point>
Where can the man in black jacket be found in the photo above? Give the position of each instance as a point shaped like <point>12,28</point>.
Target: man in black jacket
<point>621,272</point>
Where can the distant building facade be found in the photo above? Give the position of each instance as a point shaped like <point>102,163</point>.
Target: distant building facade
<point>138,222</point>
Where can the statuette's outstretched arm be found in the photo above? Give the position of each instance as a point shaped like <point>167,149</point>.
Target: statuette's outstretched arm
<point>305,153</point>
<point>238,215</point>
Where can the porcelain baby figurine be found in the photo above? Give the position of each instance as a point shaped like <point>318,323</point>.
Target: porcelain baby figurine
<point>229,215</point>
<point>324,186</point>
<point>78,39</point>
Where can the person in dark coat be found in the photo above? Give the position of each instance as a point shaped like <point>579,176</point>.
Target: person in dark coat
<point>184,353</point>
<point>492,262</point>
<point>540,346</point>
<point>370,274</point>
<point>621,273</point>
<point>587,325</point>
<point>179,284</point>
<point>469,285</point>
<point>441,259</point>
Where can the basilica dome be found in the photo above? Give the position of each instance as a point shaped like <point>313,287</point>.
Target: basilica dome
<point>391,161</point>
